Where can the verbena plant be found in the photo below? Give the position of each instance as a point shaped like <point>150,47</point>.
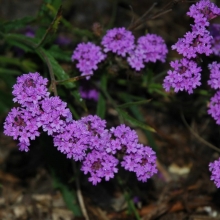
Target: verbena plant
<point>104,58</point>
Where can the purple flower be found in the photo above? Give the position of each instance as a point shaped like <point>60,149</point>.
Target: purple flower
<point>215,172</point>
<point>123,139</point>
<point>30,89</point>
<point>150,48</point>
<point>214,81</point>
<point>63,40</point>
<point>73,141</point>
<point>89,93</point>
<point>203,9</point>
<point>119,41</point>
<point>214,107</point>
<point>88,56</point>
<point>54,115</point>
<point>215,33</point>
<point>197,41</point>
<point>136,60</point>
<point>99,137</point>
<point>185,76</point>
<point>99,165</point>
<point>21,125</point>
<point>142,162</point>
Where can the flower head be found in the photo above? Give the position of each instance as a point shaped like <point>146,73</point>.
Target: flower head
<point>150,48</point>
<point>88,56</point>
<point>195,42</point>
<point>142,162</point>
<point>21,125</point>
<point>99,165</point>
<point>119,41</point>
<point>185,76</point>
<point>73,141</point>
<point>203,9</point>
<point>30,89</point>
<point>54,115</point>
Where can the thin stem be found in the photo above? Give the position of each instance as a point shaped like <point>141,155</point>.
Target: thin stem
<point>79,194</point>
<point>51,27</point>
<point>138,22</point>
<point>197,136</point>
<point>50,68</point>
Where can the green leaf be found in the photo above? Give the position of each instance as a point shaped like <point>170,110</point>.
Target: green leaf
<point>16,24</point>
<point>128,104</point>
<point>134,121</point>
<point>101,106</point>
<point>60,54</point>
<point>20,45</point>
<point>58,70</point>
<point>137,114</point>
<point>7,71</point>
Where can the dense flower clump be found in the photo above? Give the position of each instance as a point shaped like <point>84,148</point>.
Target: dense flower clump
<point>119,41</point>
<point>86,140</point>
<point>197,41</point>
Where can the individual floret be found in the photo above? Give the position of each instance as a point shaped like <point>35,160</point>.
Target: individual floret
<point>119,41</point>
<point>88,55</point>
<point>214,168</point>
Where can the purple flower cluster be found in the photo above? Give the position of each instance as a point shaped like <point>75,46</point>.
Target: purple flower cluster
<point>185,76</point>
<point>89,141</point>
<point>88,56</point>
<point>215,172</point>
<point>37,110</point>
<point>149,48</point>
<point>120,41</point>
<point>89,93</point>
<point>197,41</point>
<point>86,140</point>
